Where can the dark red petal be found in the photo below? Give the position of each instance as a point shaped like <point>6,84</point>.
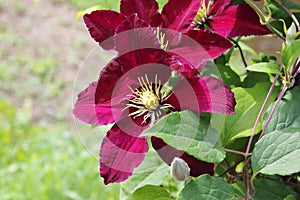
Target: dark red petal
<point>180,65</point>
<point>102,25</point>
<point>217,7</point>
<point>145,9</point>
<point>199,46</point>
<point>211,93</point>
<point>134,33</point>
<point>238,20</point>
<point>109,98</point>
<point>122,151</point>
<point>84,108</point>
<point>178,15</point>
<point>168,153</point>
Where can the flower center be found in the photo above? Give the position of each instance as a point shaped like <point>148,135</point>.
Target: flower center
<point>148,99</point>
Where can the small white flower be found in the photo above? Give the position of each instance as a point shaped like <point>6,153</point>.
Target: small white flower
<point>180,170</point>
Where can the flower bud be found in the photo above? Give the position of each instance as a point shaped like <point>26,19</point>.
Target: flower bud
<point>290,33</point>
<point>180,170</point>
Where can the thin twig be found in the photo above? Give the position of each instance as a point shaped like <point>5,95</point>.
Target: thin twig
<point>282,92</point>
<point>263,18</point>
<point>262,109</point>
<point>246,178</point>
<point>240,50</point>
<point>235,151</point>
<point>290,13</point>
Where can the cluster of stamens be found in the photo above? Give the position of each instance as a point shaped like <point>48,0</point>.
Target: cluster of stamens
<point>148,99</point>
<point>201,16</point>
<point>161,38</point>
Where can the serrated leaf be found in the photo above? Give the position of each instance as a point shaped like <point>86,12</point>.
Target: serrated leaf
<point>290,53</point>
<point>277,152</point>
<point>249,102</point>
<point>150,192</point>
<point>265,189</point>
<point>207,187</point>
<point>187,131</point>
<point>287,113</point>
<point>150,172</point>
<point>265,67</point>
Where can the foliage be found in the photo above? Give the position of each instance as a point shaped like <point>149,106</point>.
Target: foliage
<point>44,161</point>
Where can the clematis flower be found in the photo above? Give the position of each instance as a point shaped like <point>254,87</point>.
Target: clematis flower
<point>131,93</point>
<point>133,33</point>
<point>228,20</point>
<point>221,17</point>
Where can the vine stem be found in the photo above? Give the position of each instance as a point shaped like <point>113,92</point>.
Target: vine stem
<point>283,90</point>
<point>247,154</point>
<point>294,66</point>
<point>263,18</point>
<point>235,151</point>
<point>261,113</point>
<point>240,50</point>
<point>290,13</point>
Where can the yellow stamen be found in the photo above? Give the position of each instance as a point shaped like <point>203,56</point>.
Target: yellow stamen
<point>147,99</point>
<point>202,13</point>
<point>161,38</point>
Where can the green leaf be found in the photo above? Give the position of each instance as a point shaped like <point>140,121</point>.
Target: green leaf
<point>150,192</point>
<point>207,187</point>
<point>265,189</point>
<point>150,172</point>
<point>278,152</point>
<point>249,102</point>
<point>229,77</point>
<point>265,67</point>
<point>290,53</point>
<point>253,78</point>
<point>290,197</point>
<point>187,131</point>
<point>283,133</point>
<point>291,5</point>
<point>277,11</point>
<point>287,113</point>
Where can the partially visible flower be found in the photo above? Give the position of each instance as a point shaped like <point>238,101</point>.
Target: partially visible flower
<point>130,92</point>
<point>219,15</point>
<point>131,33</point>
<point>180,170</point>
<point>177,15</point>
<point>228,20</point>
<point>188,17</point>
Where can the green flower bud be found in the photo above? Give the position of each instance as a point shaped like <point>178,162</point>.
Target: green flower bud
<point>180,170</point>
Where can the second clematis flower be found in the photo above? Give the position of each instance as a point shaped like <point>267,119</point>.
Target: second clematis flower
<point>131,93</point>
<point>218,16</point>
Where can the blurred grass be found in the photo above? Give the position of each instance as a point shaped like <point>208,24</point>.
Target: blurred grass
<point>82,4</point>
<point>40,156</point>
<point>45,161</point>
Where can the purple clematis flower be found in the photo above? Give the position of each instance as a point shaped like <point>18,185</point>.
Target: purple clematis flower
<point>131,33</point>
<point>228,20</point>
<point>182,16</point>
<point>131,93</point>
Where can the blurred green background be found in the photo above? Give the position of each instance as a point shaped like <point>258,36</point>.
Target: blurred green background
<point>41,48</point>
